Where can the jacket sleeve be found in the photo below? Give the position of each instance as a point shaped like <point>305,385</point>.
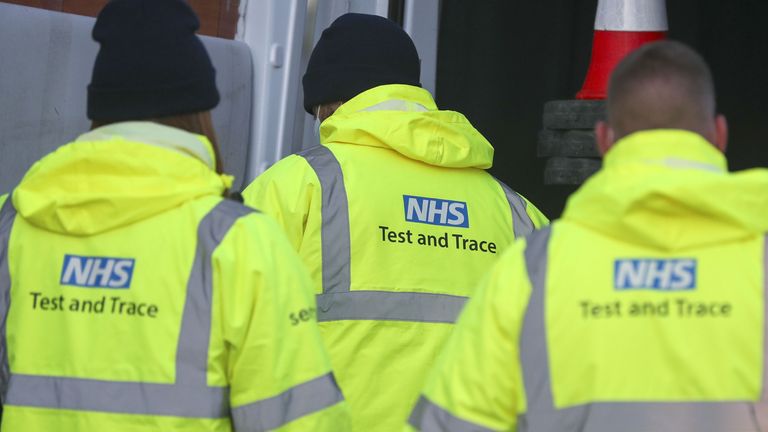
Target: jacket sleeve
<point>287,191</point>
<point>477,381</point>
<point>3,197</point>
<point>535,218</point>
<point>276,366</point>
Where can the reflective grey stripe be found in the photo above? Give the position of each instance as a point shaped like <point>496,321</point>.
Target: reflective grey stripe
<point>189,395</point>
<point>192,353</point>
<point>335,214</point>
<point>397,105</point>
<point>7,216</point>
<point>118,397</point>
<point>296,402</point>
<point>386,305</point>
<point>430,417</point>
<point>645,417</point>
<point>521,222</point>
<point>541,415</point>
<point>534,358</point>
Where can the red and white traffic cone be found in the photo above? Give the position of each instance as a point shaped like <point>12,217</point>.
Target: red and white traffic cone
<point>621,26</point>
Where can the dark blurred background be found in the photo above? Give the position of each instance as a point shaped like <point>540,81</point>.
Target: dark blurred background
<point>500,60</point>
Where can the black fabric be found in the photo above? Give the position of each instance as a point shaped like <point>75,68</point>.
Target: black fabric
<point>236,196</point>
<point>356,53</point>
<point>150,64</point>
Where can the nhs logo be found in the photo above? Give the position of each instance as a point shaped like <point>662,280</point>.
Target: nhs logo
<point>97,272</point>
<point>435,211</point>
<point>655,274</point>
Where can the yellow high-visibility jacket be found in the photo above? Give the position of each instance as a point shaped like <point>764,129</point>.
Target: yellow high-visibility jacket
<point>396,218</point>
<point>134,298</point>
<point>642,309</point>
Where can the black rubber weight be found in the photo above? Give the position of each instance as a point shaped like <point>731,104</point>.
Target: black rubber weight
<point>573,143</point>
<point>572,171</point>
<point>573,114</point>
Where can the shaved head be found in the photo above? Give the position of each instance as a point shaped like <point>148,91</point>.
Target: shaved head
<point>661,85</point>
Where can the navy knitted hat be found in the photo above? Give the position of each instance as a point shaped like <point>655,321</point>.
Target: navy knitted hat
<point>151,63</point>
<point>356,53</point>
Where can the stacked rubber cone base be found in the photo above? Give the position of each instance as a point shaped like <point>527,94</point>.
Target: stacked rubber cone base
<point>568,140</point>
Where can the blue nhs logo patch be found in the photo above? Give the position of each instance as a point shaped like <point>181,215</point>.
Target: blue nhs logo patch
<point>435,211</point>
<point>97,272</point>
<point>655,274</point>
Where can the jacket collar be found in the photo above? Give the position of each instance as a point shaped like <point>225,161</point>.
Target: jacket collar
<point>666,148</point>
<point>180,141</point>
<point>391,97</point>
<point>670,190</point>
<point>406,120</point>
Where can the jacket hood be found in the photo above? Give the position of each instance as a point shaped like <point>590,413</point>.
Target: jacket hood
<point>405,119</point>
<point>670,190</point>
<point>116,175</point>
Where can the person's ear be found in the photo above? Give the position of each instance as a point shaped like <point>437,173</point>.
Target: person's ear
<point>721,132</point>
<point>604,136</point>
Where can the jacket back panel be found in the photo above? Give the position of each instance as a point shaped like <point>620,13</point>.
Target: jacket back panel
<point>381,363</point>
<point>103,307</point>
<point>652,325</point>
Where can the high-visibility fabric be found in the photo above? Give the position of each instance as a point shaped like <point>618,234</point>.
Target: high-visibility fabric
<point>396,218</point>
<point>135,298</point>
<point>642,309</point>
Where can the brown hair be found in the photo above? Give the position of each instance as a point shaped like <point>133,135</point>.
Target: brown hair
<point>662,85</point>
<point>326,110</point>
<point>198,123</point>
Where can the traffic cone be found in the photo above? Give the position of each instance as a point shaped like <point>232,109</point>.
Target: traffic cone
<point>621,26</point>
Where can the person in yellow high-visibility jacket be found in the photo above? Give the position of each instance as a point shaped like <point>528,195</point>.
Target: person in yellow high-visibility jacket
<point>643,308</point>
<point>394,214</point>
<point>133,296</point>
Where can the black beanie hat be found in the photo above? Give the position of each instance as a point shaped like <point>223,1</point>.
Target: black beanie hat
<point>151,63</point>
<point>356,53</point>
